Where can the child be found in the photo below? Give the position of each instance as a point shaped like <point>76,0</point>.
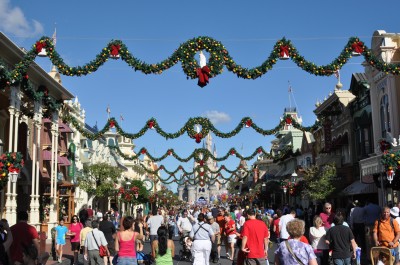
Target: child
<point>382,259</point>
<point>61,231</point>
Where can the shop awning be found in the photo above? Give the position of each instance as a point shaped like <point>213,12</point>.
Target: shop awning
<point>359,188</point>
<point>63,161</point>
<point>63,127</point>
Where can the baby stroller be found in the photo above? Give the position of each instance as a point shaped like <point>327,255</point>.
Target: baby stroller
<point>185,253</point>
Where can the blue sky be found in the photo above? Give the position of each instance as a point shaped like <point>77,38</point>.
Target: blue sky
<point>152,30</point>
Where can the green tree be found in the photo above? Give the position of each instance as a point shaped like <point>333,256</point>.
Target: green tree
<point>318,181</point>
<point>99,180</point>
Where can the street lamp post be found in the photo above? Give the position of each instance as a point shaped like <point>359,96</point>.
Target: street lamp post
<point>264,189</point>
<point>128,184</point>
<point>284,194</point>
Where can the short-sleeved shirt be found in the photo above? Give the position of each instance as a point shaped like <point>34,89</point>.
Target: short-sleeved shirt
<point>228,226</point>
<point>221,222</point>
<point>76,228</point>
<point>201,231</point>
<point>303,251</point>
<point>386,233</point>
<point>339,238</point>
<point>215,227</point>
<point>255,231</point>
<point>327,220</point>
<point>282,223</point>
<point>90,242</point>
<point>23,234</point>
<point>154,223</point>
<point>61,232</point>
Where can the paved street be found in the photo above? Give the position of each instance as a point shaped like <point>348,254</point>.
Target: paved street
<point>68,257</point>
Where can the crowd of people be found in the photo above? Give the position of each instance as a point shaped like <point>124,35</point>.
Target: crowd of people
<point>326,236</point>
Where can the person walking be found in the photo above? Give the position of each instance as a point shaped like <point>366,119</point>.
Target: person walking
<point>23,235</point>
<point>255,239</point>
<point>154,222</point>
<point>125,242</point>
<point>109,231</point>
<point>163,248</point>
<point>283,233</point>
<point>357,224</point>
<point>184,224</point>
<point>61,232</point>
<point>214,247</point>
<point>75,236</point>
<point>293,251</point>
<point>317,238</point>
<point>341,241</point>
<point>88,228</point>
<point>230,232</point>
<point>201,234</point>
<point>93,241</point>
<point>327,215</point>
<point>386,232</point>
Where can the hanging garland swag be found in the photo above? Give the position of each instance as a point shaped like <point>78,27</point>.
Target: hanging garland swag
<point>219,57</point>
<point>189,128</point>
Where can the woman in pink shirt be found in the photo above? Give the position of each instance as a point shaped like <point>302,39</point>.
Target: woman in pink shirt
<point>125,242</point>
<point>75,236</point>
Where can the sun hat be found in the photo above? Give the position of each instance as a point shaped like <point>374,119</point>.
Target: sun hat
<point>394,211</point>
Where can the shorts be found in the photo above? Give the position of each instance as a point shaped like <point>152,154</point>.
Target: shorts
<point>60,241</point>
<point>232,239</point>
<point>75,246</point>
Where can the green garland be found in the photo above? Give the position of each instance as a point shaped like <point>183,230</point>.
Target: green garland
<point>199,154</point>
<point>391,160</point>
<point>189,128</point>
<point>41,95</point>
<point>219,57</point>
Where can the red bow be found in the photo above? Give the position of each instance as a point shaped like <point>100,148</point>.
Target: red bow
<point>249,123</point>
<point>259,150</point>
<point>144,151</point>
<point>40,46</point>
<point>115,50</point>
<point>201,162</point>
<point>150,124</point>
<point>288,120</point>
<point>284,51</point>
<point>198,137</point>
<point>358,47</point>
<point>112,124</point>
<point>203,74</point>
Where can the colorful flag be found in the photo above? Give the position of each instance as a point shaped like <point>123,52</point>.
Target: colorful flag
<point>290,89</point>
<point>108,109</point>
<point>121,117</point>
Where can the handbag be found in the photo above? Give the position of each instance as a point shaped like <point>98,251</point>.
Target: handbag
<point>102,249</point>
<point>291,252</point>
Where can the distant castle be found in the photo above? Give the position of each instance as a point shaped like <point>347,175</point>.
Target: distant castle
<point>195,193</point>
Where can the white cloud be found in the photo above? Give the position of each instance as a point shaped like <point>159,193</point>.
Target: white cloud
<point>13,21</point>
<point>217,117</point>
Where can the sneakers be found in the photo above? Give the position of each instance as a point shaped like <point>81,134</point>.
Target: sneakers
<point>227,256</point>
<point>59,260</point>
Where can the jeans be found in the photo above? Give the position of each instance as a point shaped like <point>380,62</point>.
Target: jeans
<point>127,261</point>
<point>342,261</point>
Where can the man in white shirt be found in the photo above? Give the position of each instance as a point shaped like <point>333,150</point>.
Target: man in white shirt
<point>184,224</point>
<point>284,235</point>
<point>154,223</point>
<point>93,241</point>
